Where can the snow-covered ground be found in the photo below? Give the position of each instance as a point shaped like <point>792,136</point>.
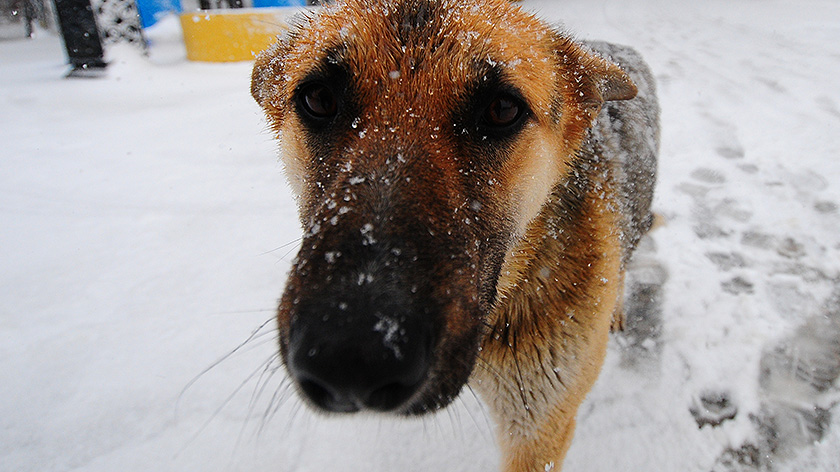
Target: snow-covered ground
<point>146,230</point>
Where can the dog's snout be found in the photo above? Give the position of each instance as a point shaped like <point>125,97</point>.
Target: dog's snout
<point>345,362</point>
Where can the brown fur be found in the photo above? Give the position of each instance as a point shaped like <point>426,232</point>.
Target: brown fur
<point>515,250</point>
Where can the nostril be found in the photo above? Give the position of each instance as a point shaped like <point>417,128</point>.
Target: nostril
<point>315,391</point>
<point>338,386</point>
<point>389,396</point>
<point>346,367</point>
<point>324,398</point>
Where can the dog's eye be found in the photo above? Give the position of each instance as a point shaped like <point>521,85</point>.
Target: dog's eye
<point>505,110</point>
<point>318,101</point>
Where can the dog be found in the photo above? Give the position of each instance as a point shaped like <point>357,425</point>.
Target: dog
<point>471,183</point>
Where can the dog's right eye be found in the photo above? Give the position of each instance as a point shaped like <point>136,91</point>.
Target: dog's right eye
<point>502,115</point>
<point>318,102</point>
<point>503,111</point>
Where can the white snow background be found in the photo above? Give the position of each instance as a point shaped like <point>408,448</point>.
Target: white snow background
<point>146,231</point>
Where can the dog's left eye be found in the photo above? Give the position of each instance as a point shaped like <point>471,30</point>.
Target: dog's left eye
<point>318,101</point>
<point>505,110</point>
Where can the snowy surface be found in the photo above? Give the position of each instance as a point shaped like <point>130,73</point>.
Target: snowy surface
<point>146,230</point>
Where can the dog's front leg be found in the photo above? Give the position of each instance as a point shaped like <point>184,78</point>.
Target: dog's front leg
<point>543,452</point>
<point>548,339</point>
<point>534,405</point>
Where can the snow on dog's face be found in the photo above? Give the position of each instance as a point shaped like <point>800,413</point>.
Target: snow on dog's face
<point>421,138</point>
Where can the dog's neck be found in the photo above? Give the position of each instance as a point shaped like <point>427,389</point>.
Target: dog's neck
<point>548,324</point>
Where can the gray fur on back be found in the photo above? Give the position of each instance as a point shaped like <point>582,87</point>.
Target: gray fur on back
<point>627,133</point>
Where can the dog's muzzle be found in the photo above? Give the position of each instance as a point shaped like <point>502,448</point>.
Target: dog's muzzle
<point>363,345</point>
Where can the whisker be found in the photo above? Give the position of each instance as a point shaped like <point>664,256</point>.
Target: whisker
<point>261,340</point>
<point>280,396</point>
<point>293,416</point>
<point>277,399</point>
<point>261,383</point>
<point>255,339</point>
<point>284,256</point>
<point>455,421</point>
<point>282,246</point>
<point>244,312</point>
<point>484,414</point>
<point>227,356</point>
<point>221,407</point>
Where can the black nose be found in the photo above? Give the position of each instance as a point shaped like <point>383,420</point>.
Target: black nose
<point>346,360</point>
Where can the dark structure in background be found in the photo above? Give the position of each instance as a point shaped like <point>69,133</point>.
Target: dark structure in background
<point>208,4</point>
<point>118,21</point>
<point>81,37</point>
<point>89,27</point>
<point>26,14</point>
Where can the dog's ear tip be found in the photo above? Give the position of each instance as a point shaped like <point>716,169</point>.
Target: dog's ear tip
<point>612,81</point>
<point>256,85</point>
<point>617,85</point>
<point>257,78</point>
<point>265,65</point>
<point>609,79</point>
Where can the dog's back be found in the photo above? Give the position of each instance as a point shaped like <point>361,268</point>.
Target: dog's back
<point>627,132</point>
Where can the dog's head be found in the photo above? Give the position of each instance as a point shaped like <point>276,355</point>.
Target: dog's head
<point>421,137</point>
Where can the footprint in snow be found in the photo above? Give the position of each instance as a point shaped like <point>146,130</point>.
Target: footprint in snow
<point>640,340</point>
<point>797,381</point>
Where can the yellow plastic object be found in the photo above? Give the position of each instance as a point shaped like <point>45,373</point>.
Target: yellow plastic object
<point>233,35</point>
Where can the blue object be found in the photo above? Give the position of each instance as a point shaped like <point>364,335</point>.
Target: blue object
<point>153,10</point>
<point>279,3</point>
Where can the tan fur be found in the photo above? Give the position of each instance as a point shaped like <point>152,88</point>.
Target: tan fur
<point>558,193</point>
<point>556,342</point>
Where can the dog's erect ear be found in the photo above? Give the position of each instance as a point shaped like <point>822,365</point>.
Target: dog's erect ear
<point>612,82</point>
<point>267,76</point>
<point>595,80</point>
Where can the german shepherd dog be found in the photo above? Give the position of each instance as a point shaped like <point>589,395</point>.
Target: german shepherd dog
<point>471,183</point>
